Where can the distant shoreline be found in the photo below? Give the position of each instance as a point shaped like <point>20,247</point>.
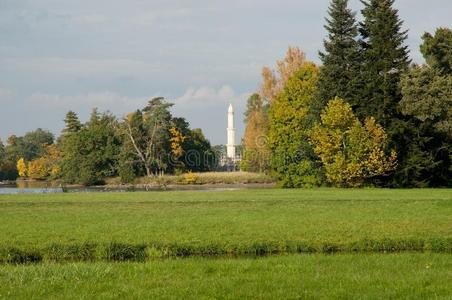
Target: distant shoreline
<point>189,181</point>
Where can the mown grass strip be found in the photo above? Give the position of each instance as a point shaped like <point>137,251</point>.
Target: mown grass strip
<point>115,251</point>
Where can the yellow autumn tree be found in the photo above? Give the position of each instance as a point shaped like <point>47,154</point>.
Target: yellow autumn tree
<point>21,167</point>
<point>256,154</point>
<point>176,141</point>
<point>47,166</point>
<point>38,169</point>
<point>53,158</point>
<point>350,151</point>
<point>273,82</point>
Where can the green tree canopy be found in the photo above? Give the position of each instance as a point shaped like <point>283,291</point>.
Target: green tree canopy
<point>147,133</point>
<point>437,50</point>
<point>427,102</point>
<point>30,146</point>
<point>90,154</point>
<point>427,96</point>
<point>291,118</point>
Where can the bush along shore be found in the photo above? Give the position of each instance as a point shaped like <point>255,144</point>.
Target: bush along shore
<point>115,251</point>
<point>221,178</point>
<point>186,179</point>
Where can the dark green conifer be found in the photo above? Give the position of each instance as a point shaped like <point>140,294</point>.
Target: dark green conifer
<point>385,59</point>
<point>72,123</point>
<point>340,71</point>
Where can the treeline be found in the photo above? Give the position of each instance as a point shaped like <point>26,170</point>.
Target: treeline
<point>367,116</point>
<point>149,141</point>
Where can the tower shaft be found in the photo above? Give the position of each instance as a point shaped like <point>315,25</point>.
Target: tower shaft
<point>231,134</point>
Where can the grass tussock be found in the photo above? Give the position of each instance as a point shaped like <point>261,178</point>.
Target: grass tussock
<point>115,251</point>
<point>124,252</point>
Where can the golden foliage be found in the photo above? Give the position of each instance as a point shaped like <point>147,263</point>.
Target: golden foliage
<point>41,167</point>
<point>38,168</point>
<point>274,82</point>
<point>292,62</point>
<point>129,117</point>
<point>21,167</point>
<point>177,139</point>
<point>350,151</point>
<point>52,153</point>
<point>255,142</point>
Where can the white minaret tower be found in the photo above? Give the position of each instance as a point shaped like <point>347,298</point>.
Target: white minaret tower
<point>231,134</point>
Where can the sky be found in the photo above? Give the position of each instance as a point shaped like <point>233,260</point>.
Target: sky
<point>60,55</point>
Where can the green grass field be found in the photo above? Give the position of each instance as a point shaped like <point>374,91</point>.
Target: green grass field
<point>388,244</point>
<point>351,276</point>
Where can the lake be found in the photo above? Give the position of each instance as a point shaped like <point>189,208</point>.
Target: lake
<point>30,187</point>
<point>44,187</point>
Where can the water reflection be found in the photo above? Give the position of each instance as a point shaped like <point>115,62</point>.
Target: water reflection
<point>44,187</point>
<point>30,187</point>
<point>14,190</point>
<point>28,184</point>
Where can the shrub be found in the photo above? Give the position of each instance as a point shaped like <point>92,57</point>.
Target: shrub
<point>190,178</point>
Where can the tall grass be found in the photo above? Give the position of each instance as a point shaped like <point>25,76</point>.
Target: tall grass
<point>115,251</point>
<point>313,276</point>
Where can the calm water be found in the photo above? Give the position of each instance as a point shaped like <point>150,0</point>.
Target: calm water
<point>30,187</point>
<point>42,187</point>
<point>14,190</point>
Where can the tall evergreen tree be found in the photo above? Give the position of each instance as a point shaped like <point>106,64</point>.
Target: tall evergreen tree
<point>72,123</point>
<point>341,59</point>
<point>385,58</point>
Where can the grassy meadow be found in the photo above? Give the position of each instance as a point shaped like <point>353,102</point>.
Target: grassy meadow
<point>311,276</point>
<point>267,243</point>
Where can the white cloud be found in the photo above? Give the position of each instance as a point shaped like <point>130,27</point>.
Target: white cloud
<point>207,96</point>
<point>108,100</point>
<point>103,100</point>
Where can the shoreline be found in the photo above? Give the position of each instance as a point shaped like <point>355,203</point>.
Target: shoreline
<point>46,187</point>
